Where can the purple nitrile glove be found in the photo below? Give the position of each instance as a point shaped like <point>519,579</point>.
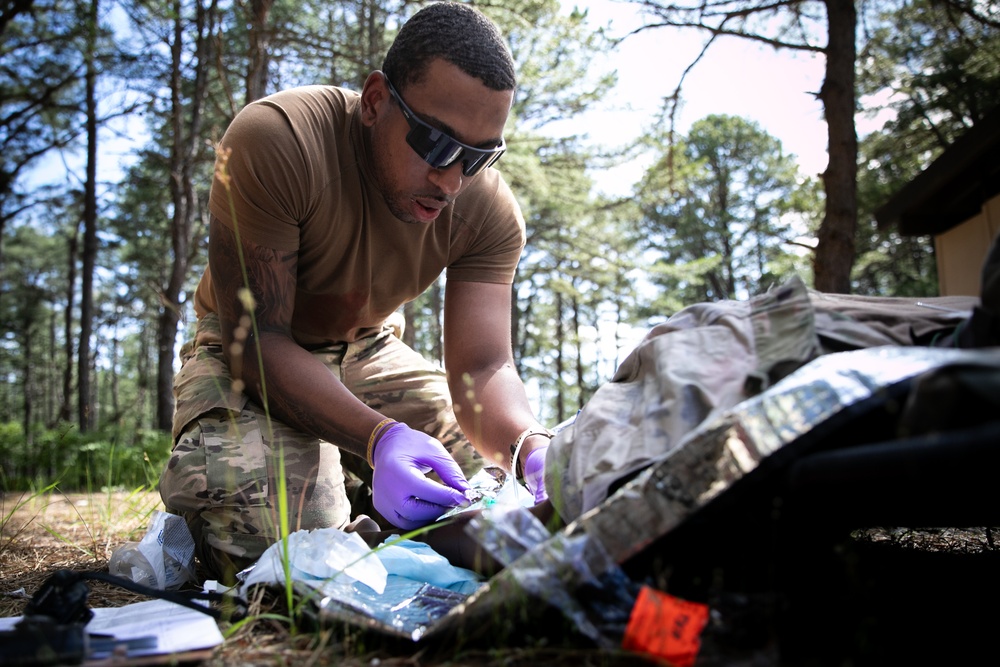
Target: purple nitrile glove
<point>401,490</point>
<point>534,473</point>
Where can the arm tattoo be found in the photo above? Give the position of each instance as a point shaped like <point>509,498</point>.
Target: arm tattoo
<point>269,274</point>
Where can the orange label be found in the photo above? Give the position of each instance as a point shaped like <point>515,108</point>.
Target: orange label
<point>665,627</point>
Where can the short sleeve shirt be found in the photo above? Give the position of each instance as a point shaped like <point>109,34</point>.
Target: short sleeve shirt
<point>299,179</point>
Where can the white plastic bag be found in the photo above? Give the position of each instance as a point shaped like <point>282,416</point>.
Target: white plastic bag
<point>163,559</point>
<point>324,554</point>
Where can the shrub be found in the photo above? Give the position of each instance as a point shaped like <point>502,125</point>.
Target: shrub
<point>113,457</point>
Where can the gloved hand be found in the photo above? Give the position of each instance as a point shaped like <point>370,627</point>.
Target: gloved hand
<point>401,491</point>
<point>534,473</point>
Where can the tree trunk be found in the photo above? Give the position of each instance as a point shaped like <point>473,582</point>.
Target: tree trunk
<point>258,50</point>
<point>146,417</point>
<point>85,406</point>
<point>374,23</point>
<point>515,325</point>
<point>560,344</point>
<point>409,320</point>
<point>51,376</point>
<point>835,241</point>
<point>27,402</point>
<point>581,381</point>
<point>519,320</point>
<point>66,406</point>
<point>437,312</point>
<point>185,123</point>
<point>179,229</point>
<point>113,380</point>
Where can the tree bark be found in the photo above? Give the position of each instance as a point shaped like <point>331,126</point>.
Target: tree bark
<point>560,346</point>
<point>258,50</point>
<point>581,380</point>
<point>409,322</point>
<point>835,249</point>
<point>66,405</point>
<point>85,404</point>
<point>185,124</point>
<point>437,312</point>
<point>27,404</point>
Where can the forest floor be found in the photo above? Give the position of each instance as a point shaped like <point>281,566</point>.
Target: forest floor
<point>43,534</point>
<point>79,532</point>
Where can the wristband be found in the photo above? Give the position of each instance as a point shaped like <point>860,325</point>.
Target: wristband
<point>515,451</point>
<point>373,438</point>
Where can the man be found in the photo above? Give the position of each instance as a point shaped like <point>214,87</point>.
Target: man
<point>329,210</point>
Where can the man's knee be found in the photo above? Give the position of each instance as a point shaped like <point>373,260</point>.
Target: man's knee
<point>223,477</point>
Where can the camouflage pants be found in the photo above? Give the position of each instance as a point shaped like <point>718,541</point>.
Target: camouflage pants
<point>230,462</point>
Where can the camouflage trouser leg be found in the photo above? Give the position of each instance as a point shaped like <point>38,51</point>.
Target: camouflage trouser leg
<point>224,473</point>
<point>225,477</point>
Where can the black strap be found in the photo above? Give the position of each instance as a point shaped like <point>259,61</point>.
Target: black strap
<point>63,596</point>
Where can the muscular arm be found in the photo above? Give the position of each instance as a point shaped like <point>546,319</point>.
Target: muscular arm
<point>490,401</point>
<point>295,387</point>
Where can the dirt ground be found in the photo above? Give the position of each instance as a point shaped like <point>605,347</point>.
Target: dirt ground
<point>80,532</point>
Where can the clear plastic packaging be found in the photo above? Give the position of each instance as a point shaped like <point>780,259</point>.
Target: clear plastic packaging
<point>163,559</point>
<point>128,561</point>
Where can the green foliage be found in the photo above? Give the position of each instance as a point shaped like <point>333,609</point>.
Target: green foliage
<point>427,311</point>
<point>336,43</point>
<point>722,210</point>
<point>111,458</point>
<point>942,68</point>
<point>939,70</point>
<point>40,90</point>
<point>894,265</point>
<point>554,52</point>
<point>889,264</point>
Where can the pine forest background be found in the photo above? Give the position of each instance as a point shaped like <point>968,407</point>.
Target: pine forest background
<point>97,271</point>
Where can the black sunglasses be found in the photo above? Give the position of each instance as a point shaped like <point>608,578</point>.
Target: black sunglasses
<point>441,150</point>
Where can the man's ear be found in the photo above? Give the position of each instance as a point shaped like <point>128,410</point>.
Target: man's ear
<point>373,96</point>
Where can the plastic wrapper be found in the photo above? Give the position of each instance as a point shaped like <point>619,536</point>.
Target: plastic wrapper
<point>419,562</point>
<point>163,559</point>
<point>575,575</point>
<point>492,488</point>
<point>400,588</point>
<point>405,609</point>
<point>507,533</point>
<point>323,557</point>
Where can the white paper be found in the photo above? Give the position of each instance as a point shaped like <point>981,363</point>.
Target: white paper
<point>176,628</point>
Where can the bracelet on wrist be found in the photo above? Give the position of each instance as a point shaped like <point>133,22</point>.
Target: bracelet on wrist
<point>515,451</point>
<point>373,438</point>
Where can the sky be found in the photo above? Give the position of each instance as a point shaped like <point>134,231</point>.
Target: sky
<point>774,88</point>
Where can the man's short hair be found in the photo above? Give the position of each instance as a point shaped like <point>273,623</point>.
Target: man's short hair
<point>457,33</point>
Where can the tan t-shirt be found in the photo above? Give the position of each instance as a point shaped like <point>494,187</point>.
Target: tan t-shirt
<point>300,180</point>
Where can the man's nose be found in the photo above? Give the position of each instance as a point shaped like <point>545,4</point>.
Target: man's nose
<point>448,179</point>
